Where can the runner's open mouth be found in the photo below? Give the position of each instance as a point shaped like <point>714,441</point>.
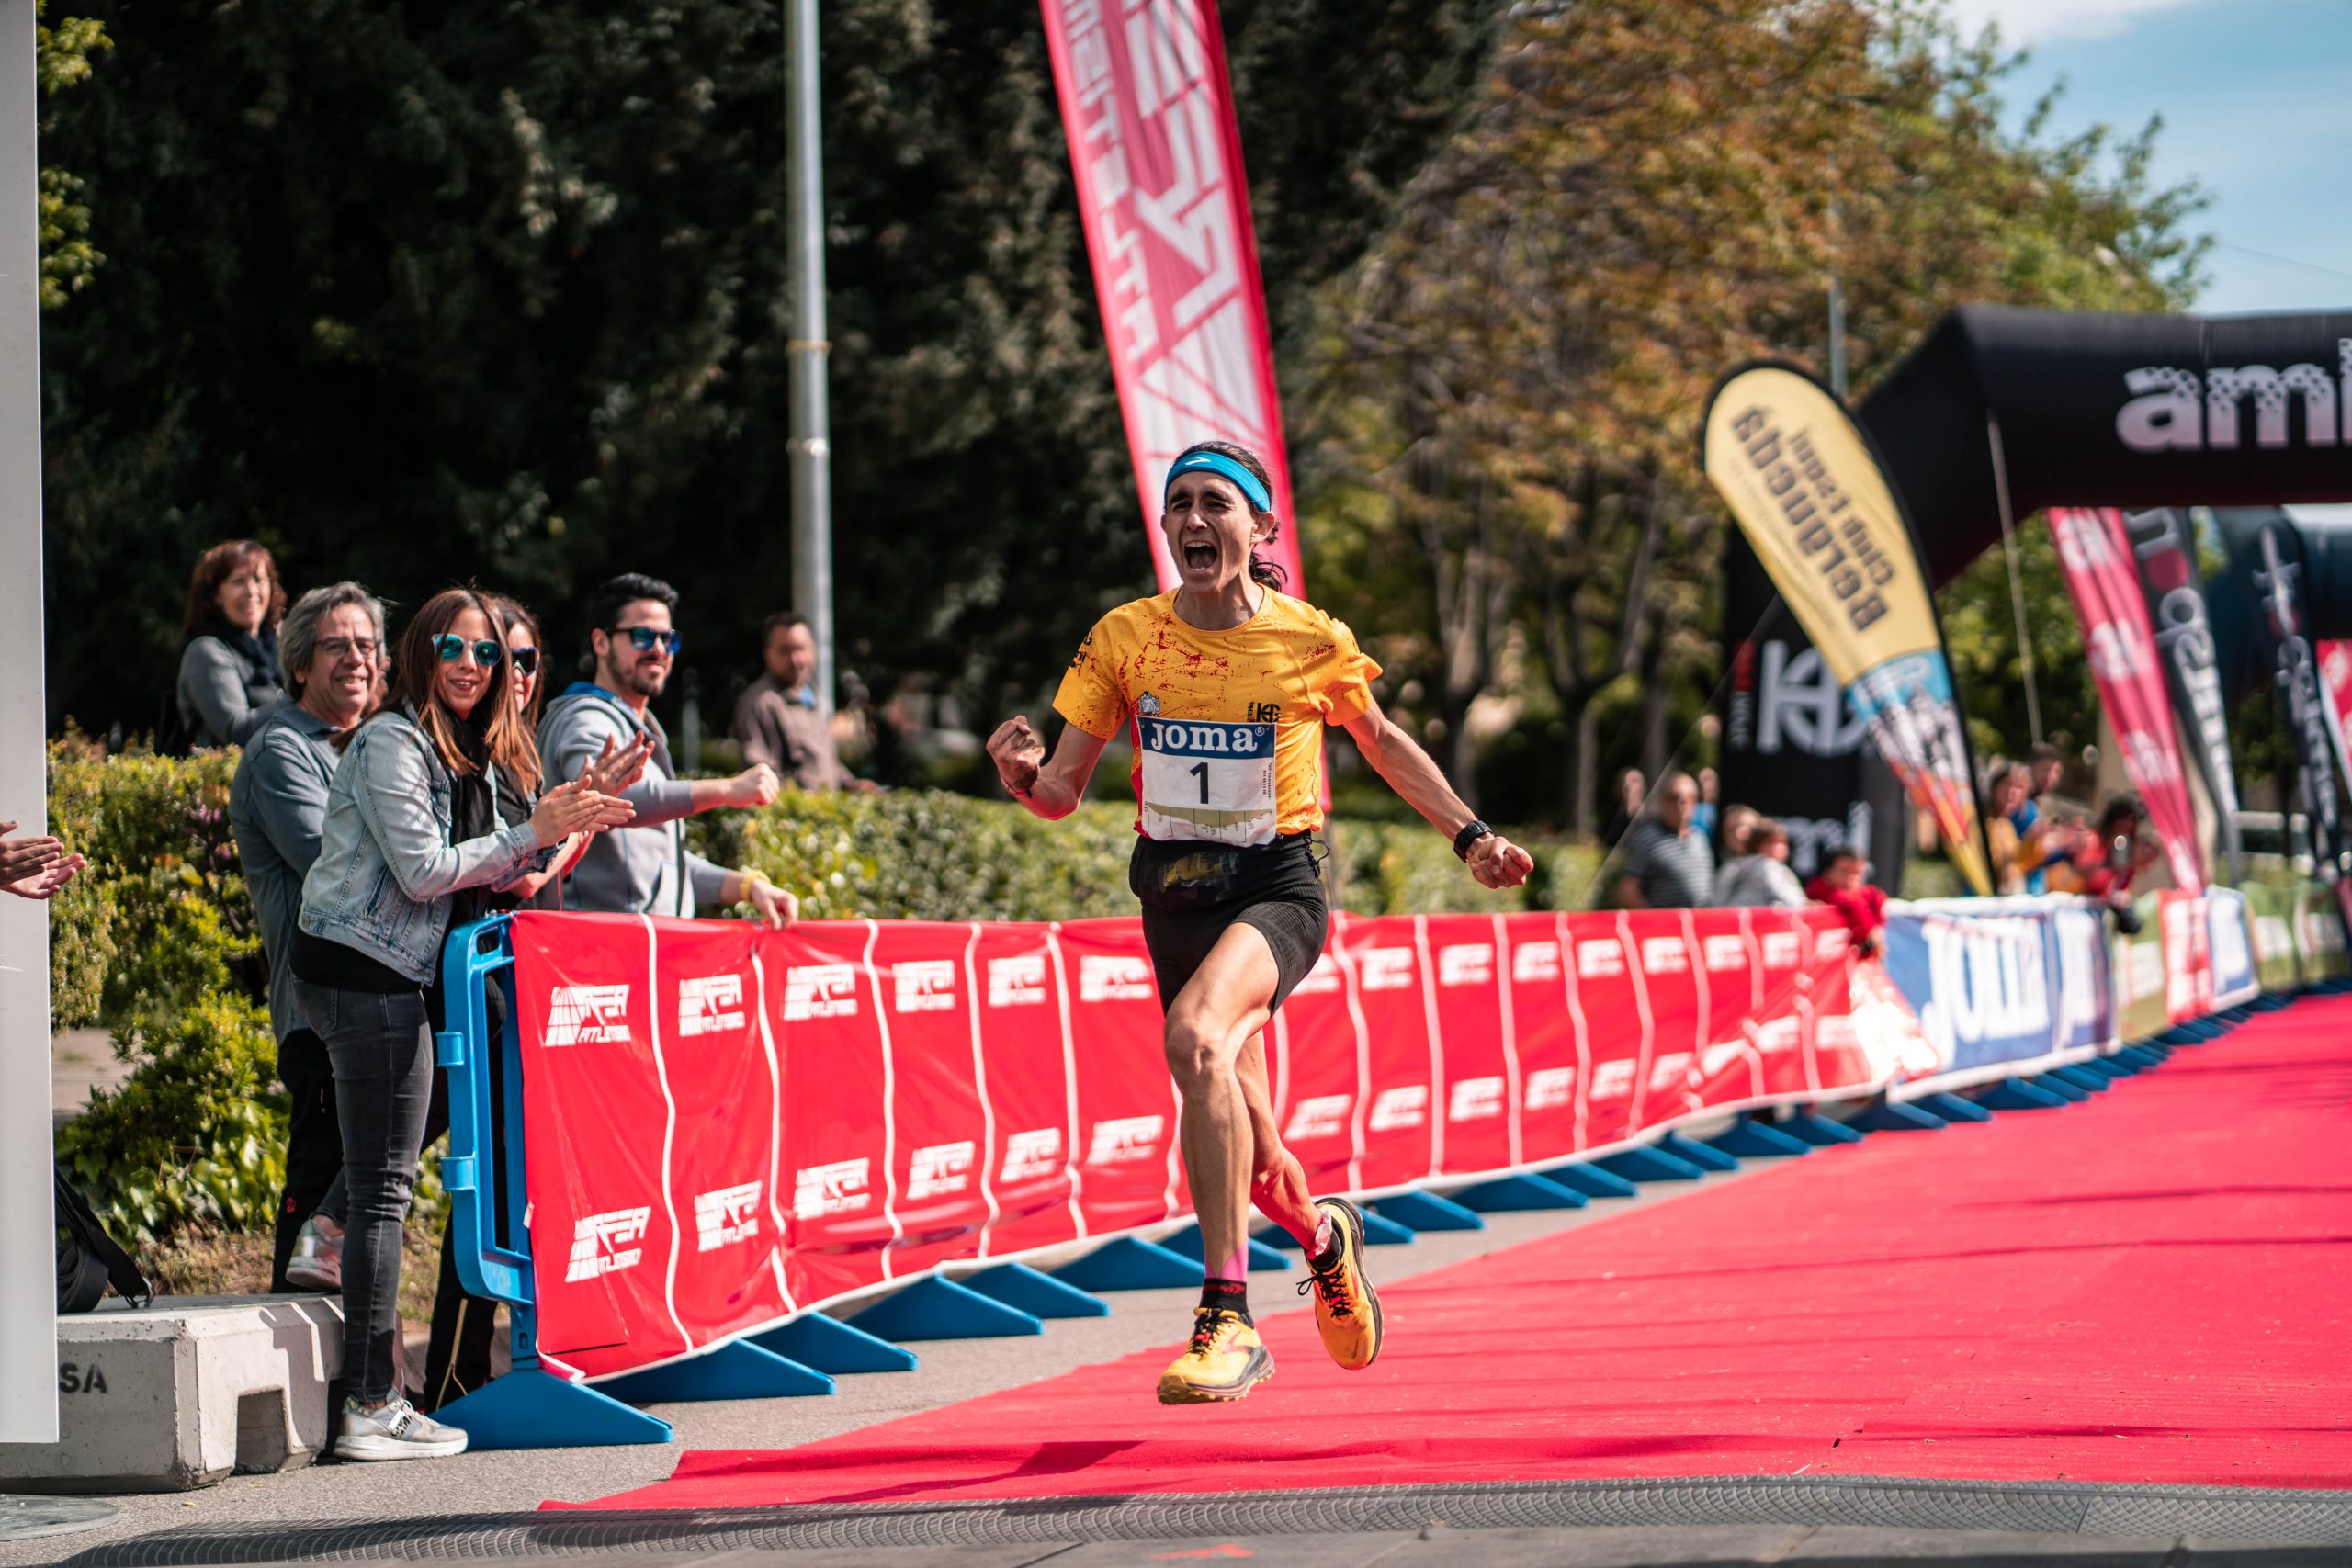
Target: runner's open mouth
<point>1201,556</point>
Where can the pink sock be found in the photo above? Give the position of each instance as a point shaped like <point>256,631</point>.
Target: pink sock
<point>1322,1234</point>
<point>1235,1267</point>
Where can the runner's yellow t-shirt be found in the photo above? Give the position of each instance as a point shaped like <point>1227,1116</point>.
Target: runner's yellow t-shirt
<point>1228,726</point>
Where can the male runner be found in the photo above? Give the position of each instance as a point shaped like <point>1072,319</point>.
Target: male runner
<point>1228,684</point>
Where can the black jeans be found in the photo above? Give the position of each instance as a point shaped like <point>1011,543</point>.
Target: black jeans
<point>313,1143</point>
<point>382,1045</point>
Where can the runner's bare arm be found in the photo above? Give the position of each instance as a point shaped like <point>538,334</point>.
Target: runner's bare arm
<point>1050,789</point>
<point>1494,860</point>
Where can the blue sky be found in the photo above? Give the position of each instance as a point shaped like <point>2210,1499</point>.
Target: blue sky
<point>2256,99</point>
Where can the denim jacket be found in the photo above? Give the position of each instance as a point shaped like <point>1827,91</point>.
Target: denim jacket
<point>386,868</point>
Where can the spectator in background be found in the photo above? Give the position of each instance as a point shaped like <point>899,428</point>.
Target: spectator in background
<point>2046,767</point>
<point>411,824</point>
<point>2102,863</point>
<point>1702,815</point>
<point>2019,845</point>
<point>330,646</point>
<point>1738,820</point>
<point>1760,876</point>
<point>1843,884</point>
<point>229,676</point>
<point>1668,865</point>
<point>1632,790</point>
<point>36,865</point>
<point>778,718</point>
<point>647,869</point>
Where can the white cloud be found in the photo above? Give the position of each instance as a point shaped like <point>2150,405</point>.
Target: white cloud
<point>2042,21</point>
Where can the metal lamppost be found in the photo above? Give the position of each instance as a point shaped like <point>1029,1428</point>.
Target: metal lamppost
<point>808,417</point>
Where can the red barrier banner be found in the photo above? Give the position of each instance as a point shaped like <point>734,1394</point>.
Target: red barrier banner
<point>2095,552</point>
<point>1148,115</point>
<point>724,1126</point>
<point>2336,688</point>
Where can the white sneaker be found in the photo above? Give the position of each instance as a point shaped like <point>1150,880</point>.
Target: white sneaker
<point>317,1262</point>
<point>396,1431</point>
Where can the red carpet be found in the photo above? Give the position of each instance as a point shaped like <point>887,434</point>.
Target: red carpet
<point>2153,1286</point>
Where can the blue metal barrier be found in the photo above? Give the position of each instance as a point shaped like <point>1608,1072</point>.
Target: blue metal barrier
<point>530,1407</point>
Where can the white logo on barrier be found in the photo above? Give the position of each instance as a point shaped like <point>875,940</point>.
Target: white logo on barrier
<point>2230,958</point>
<point>1776,1035</point>
<point>709,1004</point>
<point>601,1243</point>
<point>1665,955</point>
<point>1835,1033</point>
<point>1123,1139</point>
<point>1323,978</point>
<point>1384,968</point>
<point>1466,963</point>
<point>1536,962</point>
<point>1832,943</point>
<point>2147,969</point>
<point>1319,1116</point>
<point>1548,1087</point>
<point>1724,952</point>
<point>1987,979</point>
<point>1027,1155</point>
<point>1018,982</point>
<point>1612,1079</point>
<point>1599,958</point>
<point>940,1170</point>
<point>840,1188</point>
<point>1114,977</point>
<point>1404,1106</point>
<point>819,991</point>
<point>2080,934</point>
<point>730,1214</point>
<point>1781,950</point>
<point>1719,1055</point>
<point>588,1015</point>
<point>1474,1100</point>
<point>926,985</point>
<point>2273,938</point>
<point>1670,1071</point>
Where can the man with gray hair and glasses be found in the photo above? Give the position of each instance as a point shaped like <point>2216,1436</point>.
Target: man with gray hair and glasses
<point>331,648</point>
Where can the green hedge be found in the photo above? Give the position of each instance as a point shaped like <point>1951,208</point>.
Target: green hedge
<point>157,941</point>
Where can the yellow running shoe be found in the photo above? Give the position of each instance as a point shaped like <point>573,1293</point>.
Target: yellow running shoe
<point>1347,1309</point>
<point>1224,1362</point>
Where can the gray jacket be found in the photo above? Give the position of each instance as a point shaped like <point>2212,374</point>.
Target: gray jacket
<point>644,868</point>
<point>222,700</point>
<point>385,865</point>
<point>277,809</point>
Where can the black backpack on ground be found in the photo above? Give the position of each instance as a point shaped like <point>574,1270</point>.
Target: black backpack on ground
<point>88,1260</point>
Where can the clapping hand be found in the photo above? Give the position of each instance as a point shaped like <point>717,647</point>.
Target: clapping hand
<point>618,766</point>
<point>573,807</point>
<point>1017,753</point>
<point>35,867</point>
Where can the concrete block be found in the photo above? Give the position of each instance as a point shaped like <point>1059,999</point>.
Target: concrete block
<point>184,1394</point>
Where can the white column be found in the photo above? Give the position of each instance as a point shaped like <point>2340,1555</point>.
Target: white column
<point>28,1245</point>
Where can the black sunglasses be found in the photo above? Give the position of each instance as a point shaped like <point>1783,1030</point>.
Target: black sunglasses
<point>645,639</point>
<point>526,660</point>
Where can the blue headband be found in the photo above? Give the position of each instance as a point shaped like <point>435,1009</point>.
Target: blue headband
<point>1217,463</point>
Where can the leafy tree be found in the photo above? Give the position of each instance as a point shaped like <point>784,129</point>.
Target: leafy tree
<point>417,292</point>
<point>61,58</point>
<point>1505,399</point>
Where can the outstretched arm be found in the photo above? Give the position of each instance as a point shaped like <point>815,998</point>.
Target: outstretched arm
<point>1493,860</point>
<point>1049,789</point>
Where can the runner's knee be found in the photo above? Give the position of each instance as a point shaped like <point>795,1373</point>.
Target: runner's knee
<point>1196,1058</point>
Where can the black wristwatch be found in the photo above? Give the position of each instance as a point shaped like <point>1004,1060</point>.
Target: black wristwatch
<point>1472,831</point>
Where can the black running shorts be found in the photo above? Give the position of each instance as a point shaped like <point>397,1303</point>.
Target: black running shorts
<point>1192,892</point>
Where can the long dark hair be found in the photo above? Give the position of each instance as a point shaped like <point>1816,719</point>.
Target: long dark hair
<point>215,566</point>
<point>1263,572</point>
<point>416,680</point>
<point>506,614</point>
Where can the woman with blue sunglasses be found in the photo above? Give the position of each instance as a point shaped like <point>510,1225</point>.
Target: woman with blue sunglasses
<point>412,829</point>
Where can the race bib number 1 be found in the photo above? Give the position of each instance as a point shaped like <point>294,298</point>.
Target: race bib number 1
<point>1209,780</point>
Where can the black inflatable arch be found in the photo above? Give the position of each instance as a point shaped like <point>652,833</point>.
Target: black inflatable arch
<point>2113,410</point>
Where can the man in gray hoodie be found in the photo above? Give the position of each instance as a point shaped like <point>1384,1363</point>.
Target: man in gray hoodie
<point>646,868</point>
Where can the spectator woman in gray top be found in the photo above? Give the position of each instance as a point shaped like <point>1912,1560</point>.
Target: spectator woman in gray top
<point>410,826</point>
<point>228,673</point>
